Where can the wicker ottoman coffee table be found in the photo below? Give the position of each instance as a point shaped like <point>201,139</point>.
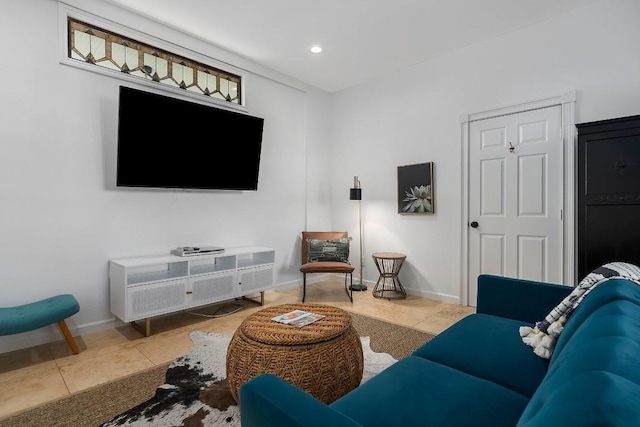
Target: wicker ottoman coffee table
<point>323,358</point>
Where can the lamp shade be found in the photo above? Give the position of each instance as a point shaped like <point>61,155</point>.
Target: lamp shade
<point>355,194</point>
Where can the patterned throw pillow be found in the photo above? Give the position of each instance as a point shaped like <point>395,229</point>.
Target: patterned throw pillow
<point>329,250</point>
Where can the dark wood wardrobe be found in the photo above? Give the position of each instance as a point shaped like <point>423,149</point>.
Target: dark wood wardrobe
<point>608,198</point>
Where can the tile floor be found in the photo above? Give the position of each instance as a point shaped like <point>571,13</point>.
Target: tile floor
<point>36,375</point>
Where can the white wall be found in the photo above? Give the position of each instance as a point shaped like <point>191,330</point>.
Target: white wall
<point>413,117</point>
<point>61,216</point>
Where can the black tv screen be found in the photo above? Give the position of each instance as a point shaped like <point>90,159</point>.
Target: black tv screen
<point>164,142</point>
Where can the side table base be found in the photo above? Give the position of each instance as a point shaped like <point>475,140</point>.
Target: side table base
<point>392,290</point>
<point>388,285</point>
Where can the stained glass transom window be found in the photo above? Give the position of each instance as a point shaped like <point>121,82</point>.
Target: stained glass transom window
<point>106,49</point>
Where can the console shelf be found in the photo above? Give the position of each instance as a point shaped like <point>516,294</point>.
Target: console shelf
<point>144,287</point>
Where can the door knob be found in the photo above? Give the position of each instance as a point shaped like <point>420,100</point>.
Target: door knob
<point>474,224</point>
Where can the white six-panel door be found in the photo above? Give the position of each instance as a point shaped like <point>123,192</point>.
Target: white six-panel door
<point>516,197</point>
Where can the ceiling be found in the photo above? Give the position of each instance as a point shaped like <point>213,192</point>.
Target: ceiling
<point>362,39</point>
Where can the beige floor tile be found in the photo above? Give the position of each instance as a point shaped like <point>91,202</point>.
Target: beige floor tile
<point>396,314</point>
<point>225,326</point>
<point>285,297</point>
<point>326,294</point>
<point>427,309</point>
<point>90,346</point>
<point>435,324</point>
<point>456,311</point>
<point>102,368</point>
<point>34,386</point>
<point>12,363</point>
<point>418,303</point>
<point>166,346</point>
<point>170,322</point>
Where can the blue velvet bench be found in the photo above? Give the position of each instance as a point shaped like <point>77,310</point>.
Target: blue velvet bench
<point>35,315</point>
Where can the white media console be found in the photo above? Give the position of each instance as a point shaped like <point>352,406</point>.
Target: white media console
<point>141,288</point>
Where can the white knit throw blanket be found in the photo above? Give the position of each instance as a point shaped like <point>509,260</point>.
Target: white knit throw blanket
<point>543,336</point>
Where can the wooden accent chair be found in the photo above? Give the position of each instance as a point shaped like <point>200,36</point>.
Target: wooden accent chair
<point>329,260</point>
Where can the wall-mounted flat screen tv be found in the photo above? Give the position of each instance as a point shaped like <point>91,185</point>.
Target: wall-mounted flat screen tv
<point>165,142</point>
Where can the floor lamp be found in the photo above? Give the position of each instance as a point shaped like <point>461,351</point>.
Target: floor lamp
<point>356,194</point>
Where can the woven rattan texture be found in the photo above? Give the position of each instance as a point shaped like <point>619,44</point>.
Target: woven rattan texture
<point>259,326</point>
<point>324,358</point>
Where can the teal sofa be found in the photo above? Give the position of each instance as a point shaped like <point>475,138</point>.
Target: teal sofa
<point>478,372</point>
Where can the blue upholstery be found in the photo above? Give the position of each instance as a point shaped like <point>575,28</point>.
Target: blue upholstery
<point>594,380</point>
<point>400,396</point>
<point>469,348</point>
<point>27,317</point>
<point>265,397</point>
<point>612,290</point>
<point>478,372</point>
<point>35,315</point>
<point>524,300</point>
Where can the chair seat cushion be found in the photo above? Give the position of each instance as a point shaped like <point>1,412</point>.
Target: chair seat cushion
<point>326,267</point>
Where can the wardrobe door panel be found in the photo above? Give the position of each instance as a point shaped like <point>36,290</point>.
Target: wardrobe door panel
<point>612,166</point>
<point>608,193</point>
<point>612,234</point>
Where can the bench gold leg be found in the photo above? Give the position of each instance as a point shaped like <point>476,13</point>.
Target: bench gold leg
<point>67,335</point>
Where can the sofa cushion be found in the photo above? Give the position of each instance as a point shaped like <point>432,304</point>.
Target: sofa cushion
<point>607,340</point>
<point>525,300</point>
<point>595,380</point>
<point>486,346</point>
<point>612,290</point>
<point>417,391</point>
<point>591,399</point>
<point>269,401</point>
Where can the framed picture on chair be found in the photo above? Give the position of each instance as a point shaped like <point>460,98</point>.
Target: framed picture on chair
<point>415,189</point>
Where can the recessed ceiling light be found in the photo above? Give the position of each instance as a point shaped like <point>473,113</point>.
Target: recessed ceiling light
<point>315,49</point>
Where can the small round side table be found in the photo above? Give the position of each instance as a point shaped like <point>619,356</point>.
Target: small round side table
<point>388,285</point>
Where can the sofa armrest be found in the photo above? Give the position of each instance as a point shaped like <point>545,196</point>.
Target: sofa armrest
<point>269,401</point>
<point>518,299</point>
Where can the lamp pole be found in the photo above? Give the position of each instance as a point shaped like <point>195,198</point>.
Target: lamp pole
<point>356,194</point>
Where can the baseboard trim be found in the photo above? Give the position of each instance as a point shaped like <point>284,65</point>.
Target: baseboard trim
<point>50,334</point>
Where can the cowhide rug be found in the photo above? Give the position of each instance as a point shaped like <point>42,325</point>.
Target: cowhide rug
<point>196,392</point>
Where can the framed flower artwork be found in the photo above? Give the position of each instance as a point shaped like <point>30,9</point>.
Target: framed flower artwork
<point>415,189</point>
